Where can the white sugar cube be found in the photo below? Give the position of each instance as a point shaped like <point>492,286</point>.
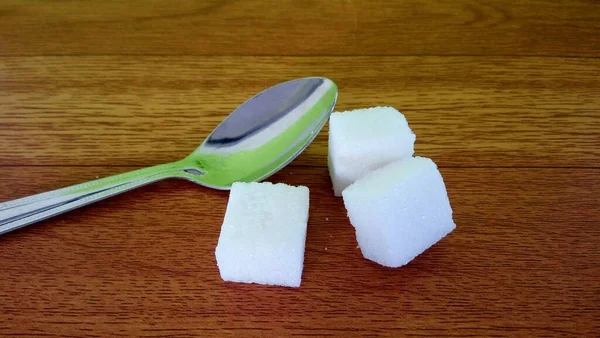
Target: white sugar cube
<point>399,211</point>
<point>363,140</point>
<point>263,234</point>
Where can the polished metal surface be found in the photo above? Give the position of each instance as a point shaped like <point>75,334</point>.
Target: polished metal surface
<point>256,140</point>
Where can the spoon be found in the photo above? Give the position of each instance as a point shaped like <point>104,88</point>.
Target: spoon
<point>255,141</point>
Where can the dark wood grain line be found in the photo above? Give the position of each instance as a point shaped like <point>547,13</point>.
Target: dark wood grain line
<point>574,57</point>
<point>299,164</point>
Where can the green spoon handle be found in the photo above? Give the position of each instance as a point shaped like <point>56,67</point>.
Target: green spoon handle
<point>24,211</point>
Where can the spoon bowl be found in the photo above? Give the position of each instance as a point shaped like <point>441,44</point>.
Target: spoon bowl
<point>255,141</point>
<point>265,133</point>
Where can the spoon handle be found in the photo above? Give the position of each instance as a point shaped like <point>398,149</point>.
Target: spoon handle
<point>24,211</point>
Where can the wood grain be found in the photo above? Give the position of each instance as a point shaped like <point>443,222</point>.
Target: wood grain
<point>523,261</point>
<point>337,27</point>
<point>503,95</point>
<point>466,111</point>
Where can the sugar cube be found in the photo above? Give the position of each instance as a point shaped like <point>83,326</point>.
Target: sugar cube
<point>399,210</point>
<point>363,140</point>
<point>263,234</point>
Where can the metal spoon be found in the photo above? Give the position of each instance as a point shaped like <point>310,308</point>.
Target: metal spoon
<point>255,141</point>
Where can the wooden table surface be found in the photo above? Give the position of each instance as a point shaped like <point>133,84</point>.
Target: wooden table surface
<point>503,95</point>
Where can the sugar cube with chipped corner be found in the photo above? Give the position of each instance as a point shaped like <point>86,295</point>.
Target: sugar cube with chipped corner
<point>363,140</point>
<point>399,210</point>
<point>263,234</point>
